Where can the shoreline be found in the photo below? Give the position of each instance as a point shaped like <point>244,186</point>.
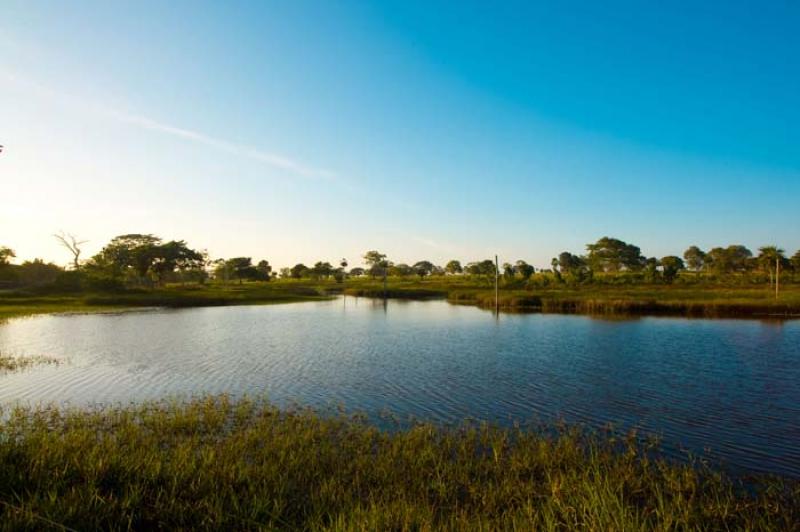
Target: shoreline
<point>690,302</point>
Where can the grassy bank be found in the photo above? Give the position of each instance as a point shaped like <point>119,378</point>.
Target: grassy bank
<point>217,464</point>
<point>701,300</point>
<point>27,303</point>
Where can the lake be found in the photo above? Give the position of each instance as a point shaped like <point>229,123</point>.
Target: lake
<point>732,386</point>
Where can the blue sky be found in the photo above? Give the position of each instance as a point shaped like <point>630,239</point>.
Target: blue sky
<point>304,131</point>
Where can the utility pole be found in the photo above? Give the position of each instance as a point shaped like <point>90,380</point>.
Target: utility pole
<point>385,270</point>
<point>496,289</point>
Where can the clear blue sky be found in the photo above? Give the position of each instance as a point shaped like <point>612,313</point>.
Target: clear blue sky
<point>300,131</point>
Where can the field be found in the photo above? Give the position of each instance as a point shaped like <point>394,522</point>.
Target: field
<point>684,299</point>
<point>223,464</point>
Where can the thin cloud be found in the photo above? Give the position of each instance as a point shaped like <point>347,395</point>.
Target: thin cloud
<point>143,122</point>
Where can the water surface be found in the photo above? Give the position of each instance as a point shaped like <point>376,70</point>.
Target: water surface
<point>729,385</point>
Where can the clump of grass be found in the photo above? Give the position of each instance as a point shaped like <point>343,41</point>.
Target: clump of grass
<point>14,363</point>
<point>214,463</point>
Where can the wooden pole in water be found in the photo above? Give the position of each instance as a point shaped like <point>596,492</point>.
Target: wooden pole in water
<point>496,289</point>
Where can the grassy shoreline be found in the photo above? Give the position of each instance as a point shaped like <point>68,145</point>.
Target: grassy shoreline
<point>215,463</point>
<point>673,300</point>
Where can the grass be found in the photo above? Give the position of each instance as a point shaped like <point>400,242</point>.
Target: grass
<point>14,304</point>
<point>214,463</point>
<point>700,300</point>
<point>14,363</point>
<point>685,299</point>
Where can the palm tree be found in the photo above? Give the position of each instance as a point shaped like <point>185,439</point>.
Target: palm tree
<point>770,258</point>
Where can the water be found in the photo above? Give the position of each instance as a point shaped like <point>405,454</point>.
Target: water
<point>729,385</point>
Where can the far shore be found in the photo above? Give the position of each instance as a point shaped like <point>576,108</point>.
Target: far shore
<point>691,300</point>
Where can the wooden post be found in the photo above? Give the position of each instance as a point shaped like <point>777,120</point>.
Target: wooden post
<point>777,275</point>
<point>496,289</point>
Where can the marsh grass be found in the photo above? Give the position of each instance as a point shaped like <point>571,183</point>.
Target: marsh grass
<point>680,299</point>
<point>10,363</point>
<point>215,463</point>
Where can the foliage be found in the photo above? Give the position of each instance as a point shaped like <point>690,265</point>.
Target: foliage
<point>613,255</point>
<point>453,267</point>
<point>6,254</point>
<point>695,258</point>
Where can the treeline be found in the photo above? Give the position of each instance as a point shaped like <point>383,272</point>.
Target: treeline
<point>146,261</point>
<point>132,260</point>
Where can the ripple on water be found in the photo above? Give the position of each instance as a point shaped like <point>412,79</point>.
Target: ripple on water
<point>731,385</point>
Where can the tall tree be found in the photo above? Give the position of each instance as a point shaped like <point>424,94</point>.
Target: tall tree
<point>6,254</point>
<point>73,244</point>
<point>299,271</point>
<point>264,270</point>
<point>613,255</point>
<point>695,258</point>
<point>423,268</point>
<point>453,267</point>
<point>670,267</point>
<point>768,259</point>
<point>377,262</point>
<point>524,269</point>
<point>242,268</point>
<point>322,270</point>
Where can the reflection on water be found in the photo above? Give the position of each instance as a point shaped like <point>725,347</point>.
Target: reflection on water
<point>731,385</point>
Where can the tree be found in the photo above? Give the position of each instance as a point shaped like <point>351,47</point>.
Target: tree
<point>695,258</point>
<point>70,242</point>
<point>795,261</point>
<point>732,259</point>
<point>524,269</point>
<point>37,272</point>
<point>613,255</point>
<point>453,267</point>
<point>401,270</point>
<point>487,268</point>
<point>299,271</point>
<point>569,263</point>
<point>131,254</point>
<point>6,254</point>
<point>554,263</point>
<point>264,270</point>
<point>375,260</point>
<point>357,272</point>
<point>241,268</point>
<point>423,268</point>
<point>651,269</point>
<point>670,267</point>
<point>175,254</point>
<point>768,259</point>
<point>508,270</point>
<point>322,270</point>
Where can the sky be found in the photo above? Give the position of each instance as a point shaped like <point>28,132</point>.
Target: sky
<point>303,131</point>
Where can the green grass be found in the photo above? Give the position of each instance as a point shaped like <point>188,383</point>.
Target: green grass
<point>14,304</point>
<point>213,463</point>
<point>702,299</point>
<point>685,299</point>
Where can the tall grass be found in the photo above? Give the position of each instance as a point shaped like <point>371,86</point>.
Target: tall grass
<point>688,299</point>
<point>213,463</point>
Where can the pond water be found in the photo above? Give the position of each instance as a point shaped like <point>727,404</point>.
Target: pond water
<point>732,386</point>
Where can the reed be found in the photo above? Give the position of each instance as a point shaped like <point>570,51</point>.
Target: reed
<point>216,463</point>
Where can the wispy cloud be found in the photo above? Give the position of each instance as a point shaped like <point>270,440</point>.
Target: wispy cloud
<point>270,158</point>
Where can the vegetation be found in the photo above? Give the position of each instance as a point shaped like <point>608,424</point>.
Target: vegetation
<point>221,464</point>
<point>613,276</point>
<point>13,363</point>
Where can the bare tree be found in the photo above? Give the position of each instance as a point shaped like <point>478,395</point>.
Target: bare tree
<point>70,242</point>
